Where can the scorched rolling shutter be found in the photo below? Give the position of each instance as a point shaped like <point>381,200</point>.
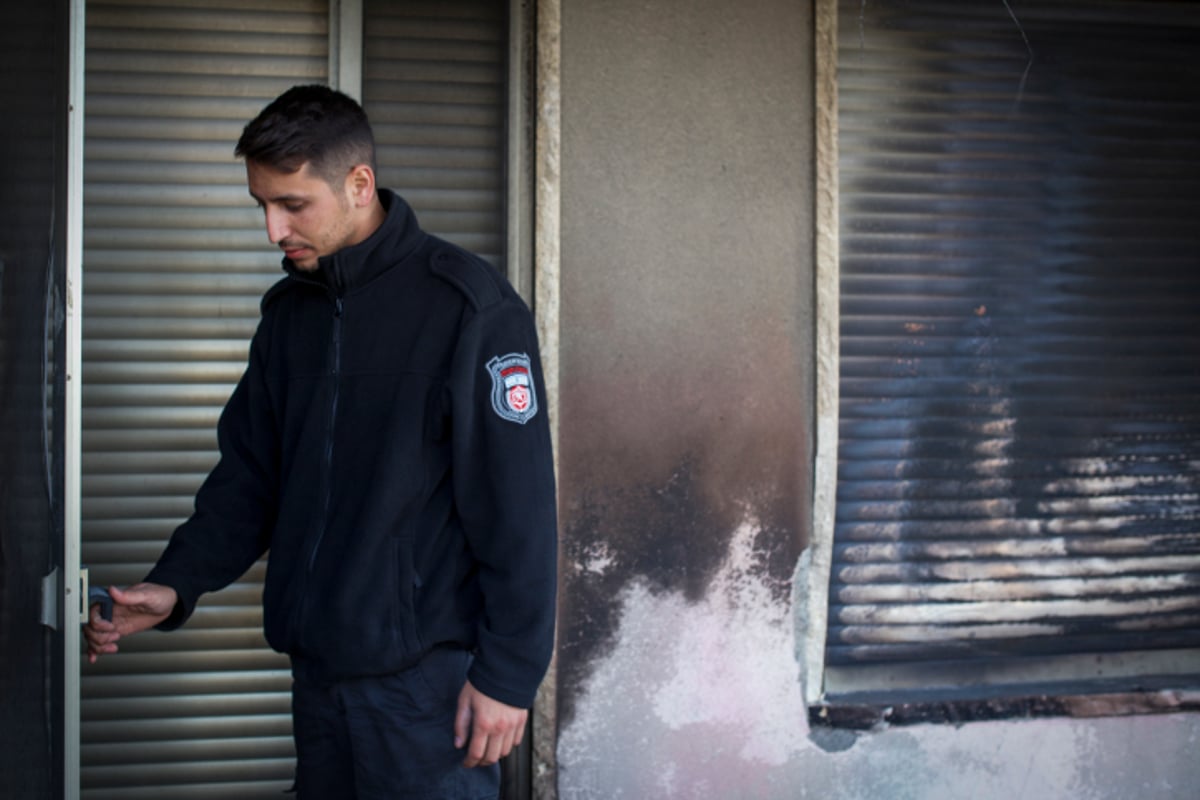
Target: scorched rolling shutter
<point>1019,457</point>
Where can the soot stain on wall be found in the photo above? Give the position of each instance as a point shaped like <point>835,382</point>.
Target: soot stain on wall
<point>633,516</point>
<point>685,380</point>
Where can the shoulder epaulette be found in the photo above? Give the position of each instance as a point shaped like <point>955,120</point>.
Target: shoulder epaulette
<point>472,276</point>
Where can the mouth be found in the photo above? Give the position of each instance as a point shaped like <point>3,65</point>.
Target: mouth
<point>295,252</point>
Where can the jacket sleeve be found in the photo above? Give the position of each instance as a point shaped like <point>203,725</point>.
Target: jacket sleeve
<point>234,508</point>
<point>505,496</point>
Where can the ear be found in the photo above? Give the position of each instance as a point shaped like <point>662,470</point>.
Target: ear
<point>360,185</point>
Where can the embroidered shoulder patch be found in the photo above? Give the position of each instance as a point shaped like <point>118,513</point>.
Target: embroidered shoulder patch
<point>513,397</point>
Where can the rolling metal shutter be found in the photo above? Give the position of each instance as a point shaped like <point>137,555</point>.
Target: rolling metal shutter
<point>434,85</point>
<point>175,261</point>
<point>1019,456</point>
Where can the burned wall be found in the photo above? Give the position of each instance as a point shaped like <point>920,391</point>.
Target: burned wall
<point>686,444</point>
<point>686,371</point>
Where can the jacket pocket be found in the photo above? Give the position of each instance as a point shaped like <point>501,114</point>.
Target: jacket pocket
<point>359,607</point>
<point>404,615</point>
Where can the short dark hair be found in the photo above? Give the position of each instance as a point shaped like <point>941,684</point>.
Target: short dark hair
<point>310,124</point>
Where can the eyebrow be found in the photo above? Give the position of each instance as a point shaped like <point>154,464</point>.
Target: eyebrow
<point>283,198</point>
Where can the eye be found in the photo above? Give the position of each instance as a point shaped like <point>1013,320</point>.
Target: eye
<point>294,207</point>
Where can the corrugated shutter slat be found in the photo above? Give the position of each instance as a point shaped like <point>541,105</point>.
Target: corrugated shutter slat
<point>1019,455</point>
<point>434,87</point>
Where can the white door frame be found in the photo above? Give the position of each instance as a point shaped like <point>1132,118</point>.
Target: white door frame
<point>73,597</point>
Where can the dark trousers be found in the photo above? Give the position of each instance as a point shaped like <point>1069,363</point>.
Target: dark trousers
<point>387,737</point>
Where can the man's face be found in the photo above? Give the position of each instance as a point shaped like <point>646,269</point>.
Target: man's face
<point>306,217</point>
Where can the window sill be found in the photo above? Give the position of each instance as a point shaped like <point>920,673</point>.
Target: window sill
<point>869,711</point>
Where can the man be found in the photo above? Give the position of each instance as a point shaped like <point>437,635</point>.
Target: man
<point>387,445</point>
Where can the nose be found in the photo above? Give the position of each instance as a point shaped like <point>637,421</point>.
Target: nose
<point>277,227</point>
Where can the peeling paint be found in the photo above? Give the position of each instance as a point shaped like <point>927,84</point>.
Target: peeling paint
<point>739,636</point>
<point>705,691</point>
<point>596,559</point>
<point>669,536</point>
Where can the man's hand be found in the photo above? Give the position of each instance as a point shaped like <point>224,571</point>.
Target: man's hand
<point>495,728</point>
<point>137,608</point>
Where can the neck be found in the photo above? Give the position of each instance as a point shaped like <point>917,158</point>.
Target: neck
<point>370,220</point>
<point>378,214</point>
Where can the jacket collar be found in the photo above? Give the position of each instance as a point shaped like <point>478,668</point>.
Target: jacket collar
<point>353,267</point>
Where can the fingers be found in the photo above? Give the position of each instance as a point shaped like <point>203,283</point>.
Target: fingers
<point>97,622</point>
<point>94,652</point>
<point>101,635</point>
<point>124,597</point>
<point>462,722</point>
<point>483,751</point>
<point>494,728</point>
<point>477,751</point>
<point>519,732</point>
<point>501,748</point>
<point>490,743</point>
<point>151,599</point>
<point>98,645</point>
<point>131,597</point>
<point>488,749</point>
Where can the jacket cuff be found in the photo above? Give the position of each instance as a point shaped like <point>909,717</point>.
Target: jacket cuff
<point>497,691</point>
<point>185,602</point>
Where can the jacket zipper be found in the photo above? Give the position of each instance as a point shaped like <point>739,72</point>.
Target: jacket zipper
<point>327,455</point>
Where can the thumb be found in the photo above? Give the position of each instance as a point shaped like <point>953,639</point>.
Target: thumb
<point>150,598</point>
<point>462,721</point>
<point>125,597</point>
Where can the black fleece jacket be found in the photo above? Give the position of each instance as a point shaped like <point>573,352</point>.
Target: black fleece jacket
<point>388,444</point>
